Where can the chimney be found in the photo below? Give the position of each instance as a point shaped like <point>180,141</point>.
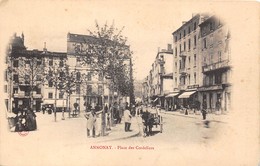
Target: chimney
<point>44,48</point>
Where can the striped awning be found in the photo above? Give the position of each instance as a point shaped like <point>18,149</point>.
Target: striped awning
<point>186,94</point>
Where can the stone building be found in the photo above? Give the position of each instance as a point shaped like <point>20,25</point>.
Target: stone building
<point>216,63</point>
<point>187,75</point>
<point>25,72</point>
<point>159,81</point>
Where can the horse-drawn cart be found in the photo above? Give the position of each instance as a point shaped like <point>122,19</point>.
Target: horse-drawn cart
<point>152,118</point>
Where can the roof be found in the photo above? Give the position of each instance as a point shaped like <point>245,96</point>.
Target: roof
<point>193,18</point>
<point>79,38</point>
<point>38,53</point>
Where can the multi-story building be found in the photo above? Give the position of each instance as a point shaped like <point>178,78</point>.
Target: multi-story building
<point>216,63</point>
<point>187,75</point>
<point>25,74</point>
<point>159,81</point>
<point>94,89</point>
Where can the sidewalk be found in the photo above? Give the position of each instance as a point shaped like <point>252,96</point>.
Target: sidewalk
<point>117,132</point>
<point>222,118</point>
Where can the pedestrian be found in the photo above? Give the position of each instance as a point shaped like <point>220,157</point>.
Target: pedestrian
<point>91,123</point>
<point>204,109</point>
<point>218,106</point>
<point>31,123</point>
<point>127,118</point>
<point>148,122</point>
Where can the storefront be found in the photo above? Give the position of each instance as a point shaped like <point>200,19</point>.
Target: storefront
<point>171,101</point>
<point>188,98</point>
<point>212,94</point>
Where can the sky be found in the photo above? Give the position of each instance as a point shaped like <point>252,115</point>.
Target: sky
<point>148,25</point>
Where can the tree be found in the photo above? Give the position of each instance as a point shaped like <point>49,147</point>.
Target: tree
<point>107,53</point>
<point>28,71</point>
<point>56,75</point>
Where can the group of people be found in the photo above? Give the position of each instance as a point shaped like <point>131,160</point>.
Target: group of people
<point>114,115</point>
<point>25,119</point>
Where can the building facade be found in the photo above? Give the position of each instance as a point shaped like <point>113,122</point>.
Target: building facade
<point>187,75</point>
<point>159,81</point>
<point>216,63</point>
<point>26,70</point>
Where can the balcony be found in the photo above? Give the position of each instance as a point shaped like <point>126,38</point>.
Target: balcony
<point>21,95</point>
<point>183,54</point>
<point>182,87</point>
<point>216,66</point>
<point>35,95</point>
<point>183,71</point>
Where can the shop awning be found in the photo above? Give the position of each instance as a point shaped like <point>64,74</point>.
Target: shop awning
<point>186,94</point>
<point>172,94</point>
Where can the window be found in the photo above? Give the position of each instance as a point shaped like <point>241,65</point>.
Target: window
<point>180,64</point>
<point>15,90</point>
<point>175,66</point>
<point>39,62</point>
<point>50,62</point>
<point>6,75</point>
<point>78,76</point>
<point>184,46</point>
<point>204,43</point>
<point>189,30</point>
<point>78,88</point>
<point>100,77</point>
<point>195,26</point>
<point>5,88</point>
<point>195,41</point>
<point>218,79</point>
<point>50,84</point>
<point>61,63</point>
<point>27,79</point>
<point>211,26</point>
<point>62,75</point>
<point>195,59</point>
<point>175,38</point>
<point>189,60</point>
<point>16,78</point>
<point>184,33</point>
<point>89,89</point>
<point>195,78</point>
<point>219,56</point>
<point>50,95</point>
<point>180,48</point>
<point>100,89</point>
<point>16,63</point>
<point>175,82</point>
<point>175,51</point>
<point>61,95</point>
<point>78,61</point>
<point>189,44</point>
<point>50,73</point>
<point>89,76</point>
<point>189,79</point>
<point>38,91</point>
<point>180,35</point>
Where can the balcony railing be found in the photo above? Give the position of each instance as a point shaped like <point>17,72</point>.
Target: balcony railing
<point>183,53</point>
<point>21,95</point>
<point>182,87</point>
<point>216,66</point>
<point>35,95</point>
<point>183,71</point>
